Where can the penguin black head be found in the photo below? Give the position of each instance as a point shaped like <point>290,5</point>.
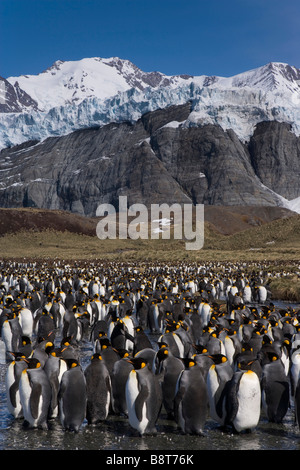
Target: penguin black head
<point>56,352</point>
<point>66,341</point>
<point>96,357</point>
<point>49,347</point>
<point>272,356</point>
<point>138,362</point>
<point>123,353</point>
<point>162,353</point>
<point>25,340</point>
<point>267,340</point>
<point>245,364</point>
<point>200,349</point>
<point>188,362</point>
<point>105,343</point>
<point>32,363</point>
<point>18,356</point>
<point>218,358</point>
<point>162,344</point>
<point>72,363</point>
<point>138,329</point>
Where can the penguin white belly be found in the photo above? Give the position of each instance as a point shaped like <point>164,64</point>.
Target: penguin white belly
<point>247,294</point>
<point>110,329</point>
<point>26,322</point>
<point>229,349</point>
<point>99,309</point>
<point>212,383</point>
<point>155,317</point>
<point>7,336</point>
<point>101,290</point>
<point>200,308</point>
<point>62,369</point>
<point>286,362</point>
<point>249,400</point>
<point>262,294</point>
<point>9,380</point>
<point>206,314</point>
<point>108,401</point>
<point>179,345</point>
<point>132,391</point>
<point>95,289</point>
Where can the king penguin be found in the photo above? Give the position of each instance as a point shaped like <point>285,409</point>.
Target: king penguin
<point>218,376</point>
<point>143,397</point>
<point>169,368</point>
<point>275,389</point>
<point>141,340</point>
<point>297,404</point>
<point>26,321</point>
<point>191,399</point>
<point>35,394</point>
<point>120,336</point>
<point>98,385</point>
<point>11,334</point>
<point>12,380</point>
<point>54,367</point>
<point>119,376</point>
<point>243,401</point>
<point>72,396</point>
<point>294,372</point>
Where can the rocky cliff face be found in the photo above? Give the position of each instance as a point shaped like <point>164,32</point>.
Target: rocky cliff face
<point>155,160</point>
<point>275,157</point>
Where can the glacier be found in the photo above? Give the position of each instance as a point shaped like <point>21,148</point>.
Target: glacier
<point>239,109</point>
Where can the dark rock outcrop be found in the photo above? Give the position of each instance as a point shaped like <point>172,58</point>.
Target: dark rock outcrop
<point>275,157</point>
<point>13,99</point>
<point>154,160</point>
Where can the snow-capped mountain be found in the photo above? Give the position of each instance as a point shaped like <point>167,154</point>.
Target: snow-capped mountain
<point>95,91</point>
<point>71,82</point>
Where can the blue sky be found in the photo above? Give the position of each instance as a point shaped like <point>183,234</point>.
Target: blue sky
<point>211,37</point>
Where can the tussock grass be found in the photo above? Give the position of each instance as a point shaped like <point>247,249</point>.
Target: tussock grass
<point>286,288</point>
<point>67,245</point>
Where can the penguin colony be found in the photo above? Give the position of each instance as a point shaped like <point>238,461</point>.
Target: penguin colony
<point>219,348</point>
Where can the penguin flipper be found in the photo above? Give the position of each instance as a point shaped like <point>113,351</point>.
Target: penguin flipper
<point>36,391</point>
<point>108,384</point>
<point>140,400</point>
<point>12,394</point>
<point>231,400</point>
<point>177,400</point>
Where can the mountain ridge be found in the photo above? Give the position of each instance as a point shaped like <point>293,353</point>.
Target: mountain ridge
<point>71,95</point>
